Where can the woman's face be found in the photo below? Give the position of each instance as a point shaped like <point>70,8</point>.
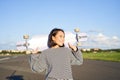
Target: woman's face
<point>59,38</point>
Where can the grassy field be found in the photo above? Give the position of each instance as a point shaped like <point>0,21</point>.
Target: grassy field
<point>106,56</point>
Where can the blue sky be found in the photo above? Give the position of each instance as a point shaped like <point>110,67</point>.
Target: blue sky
<point>34,17</point>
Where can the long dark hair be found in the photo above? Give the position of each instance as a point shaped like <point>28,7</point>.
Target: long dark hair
<point>53,32</point>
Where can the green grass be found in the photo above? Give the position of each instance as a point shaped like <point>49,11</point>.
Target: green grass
<point>105,56</point>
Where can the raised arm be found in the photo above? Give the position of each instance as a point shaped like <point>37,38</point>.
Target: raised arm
<point>37,62</point>
<point>76,55</point>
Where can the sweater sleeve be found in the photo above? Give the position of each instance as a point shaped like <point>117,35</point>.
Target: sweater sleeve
<point>37,62</point>
<point>76,57</point>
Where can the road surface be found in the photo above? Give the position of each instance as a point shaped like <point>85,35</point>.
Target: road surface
<point>18,68</point>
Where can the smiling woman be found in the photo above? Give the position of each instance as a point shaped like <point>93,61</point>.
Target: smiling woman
<point>56,60</point>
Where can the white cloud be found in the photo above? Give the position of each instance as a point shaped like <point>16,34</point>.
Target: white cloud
<point>102,41</point>
<point>115,38</point>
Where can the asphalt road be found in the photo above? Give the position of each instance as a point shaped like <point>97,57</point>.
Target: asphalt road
<point>18,68</point>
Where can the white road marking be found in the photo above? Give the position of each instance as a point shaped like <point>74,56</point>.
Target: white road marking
<point>4,58</point>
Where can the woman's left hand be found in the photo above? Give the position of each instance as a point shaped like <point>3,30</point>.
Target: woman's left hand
<point>74,48</point>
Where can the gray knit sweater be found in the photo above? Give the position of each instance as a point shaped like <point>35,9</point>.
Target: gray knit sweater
<point>56,61</point>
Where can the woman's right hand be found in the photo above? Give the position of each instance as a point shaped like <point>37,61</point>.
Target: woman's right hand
<point>34,51</point>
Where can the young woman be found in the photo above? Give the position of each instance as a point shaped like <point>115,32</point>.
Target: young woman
<point>56,60</point>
